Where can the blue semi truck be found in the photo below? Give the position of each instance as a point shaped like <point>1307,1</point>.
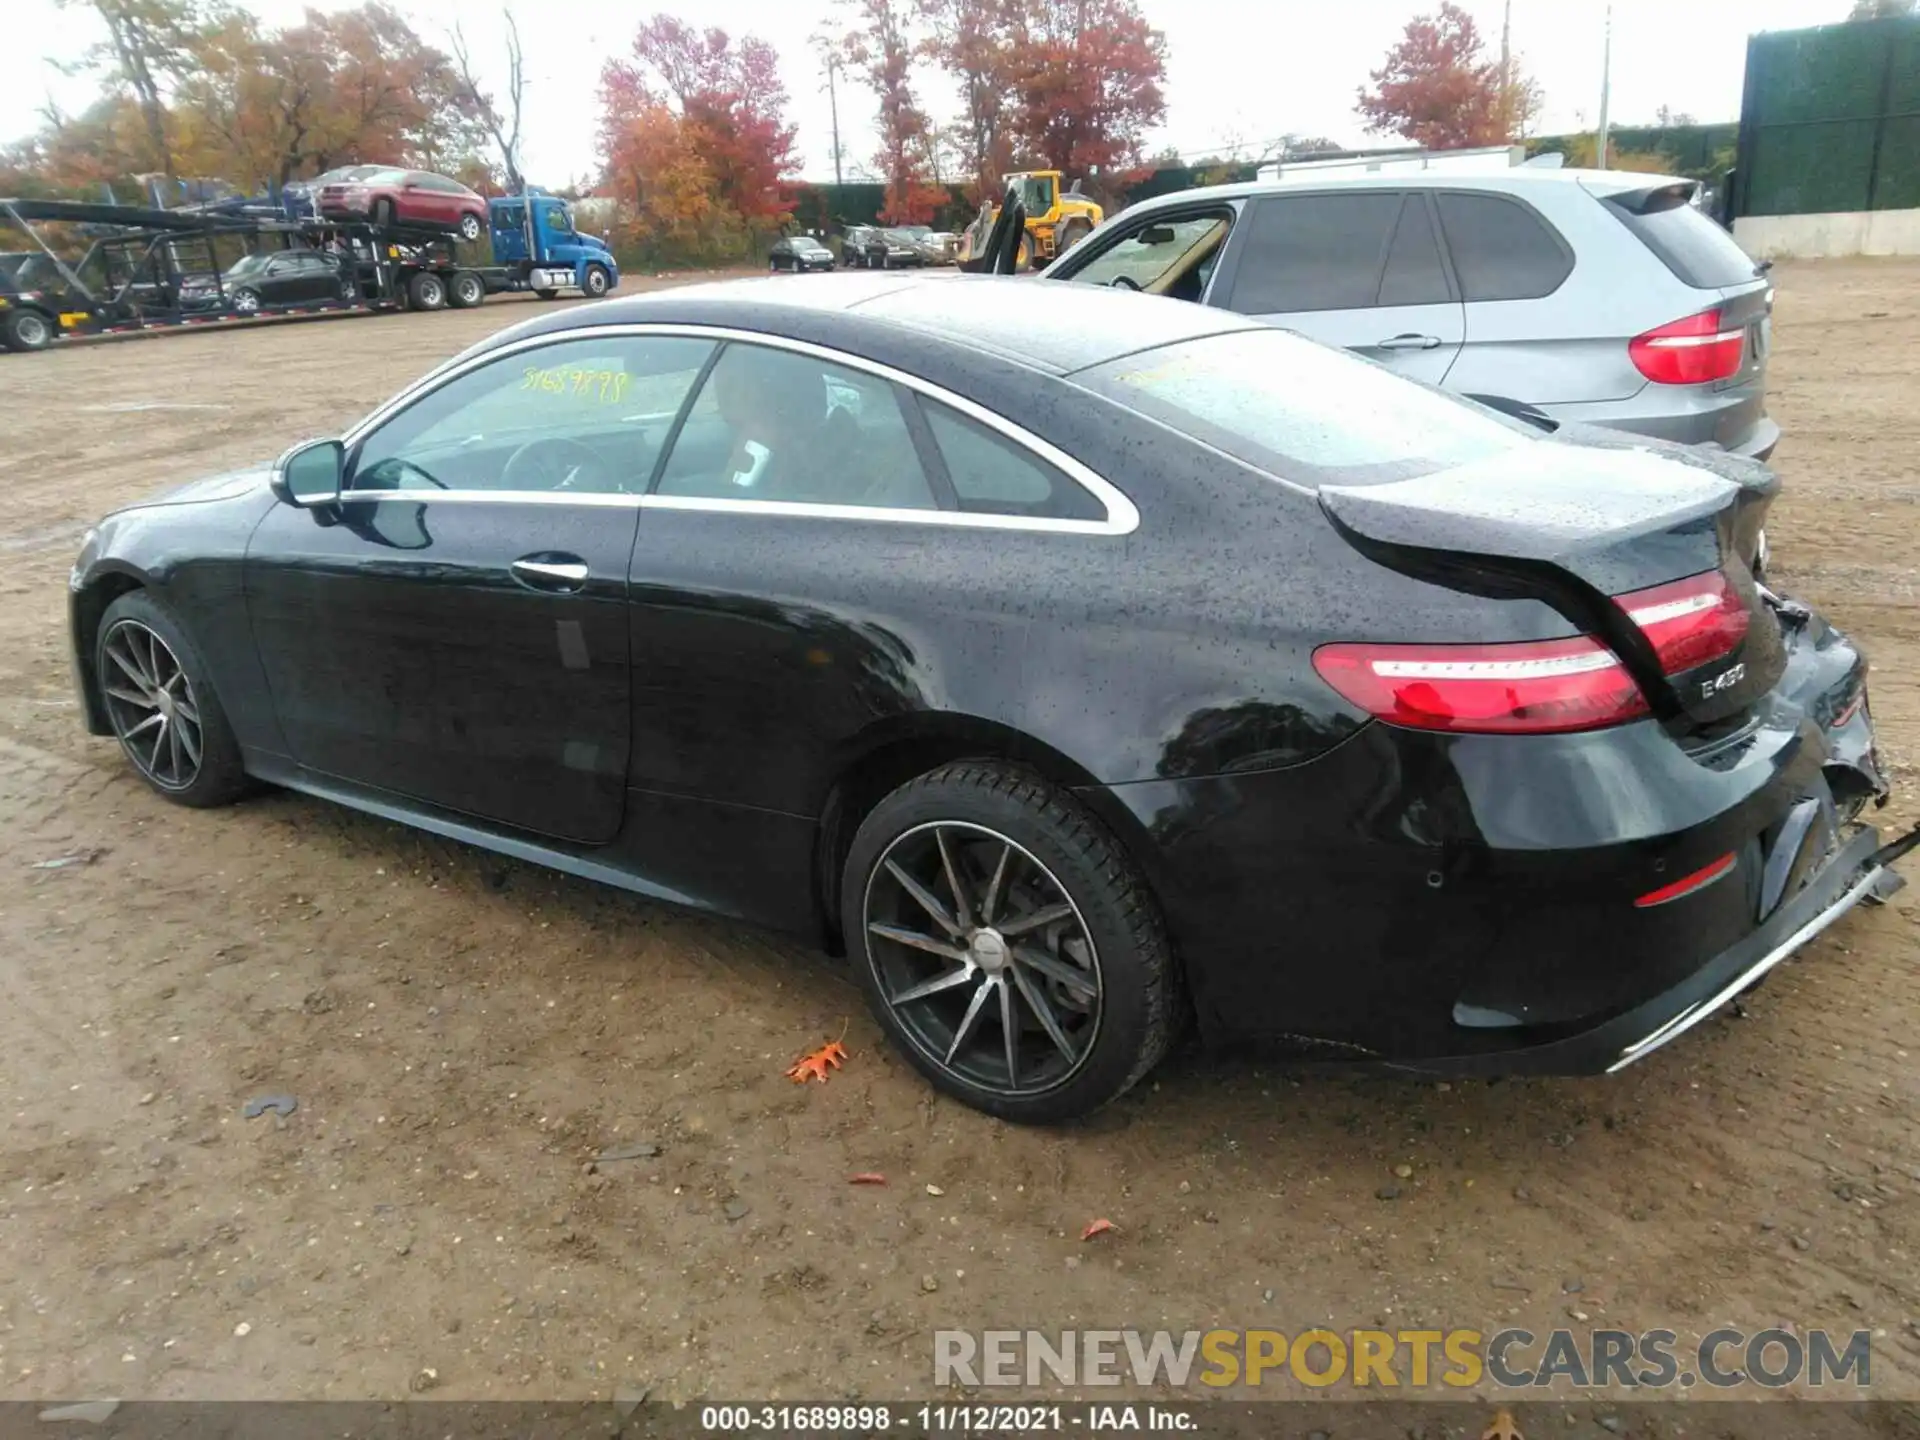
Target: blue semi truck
<point>150,268</point>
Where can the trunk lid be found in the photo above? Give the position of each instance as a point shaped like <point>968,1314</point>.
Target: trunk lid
<point>1576,526</point>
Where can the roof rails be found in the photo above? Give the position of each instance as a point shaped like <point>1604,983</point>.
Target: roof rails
<point>1393,162</point>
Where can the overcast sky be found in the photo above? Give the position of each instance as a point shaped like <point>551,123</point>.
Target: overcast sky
<point>1238,70</point>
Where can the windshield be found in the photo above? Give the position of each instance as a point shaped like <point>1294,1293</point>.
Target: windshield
<point>27,271</point>
<point>1303,411</point>
<point>809,245</point>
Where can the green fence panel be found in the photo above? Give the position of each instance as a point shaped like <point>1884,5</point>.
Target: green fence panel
<point>1827,122</point>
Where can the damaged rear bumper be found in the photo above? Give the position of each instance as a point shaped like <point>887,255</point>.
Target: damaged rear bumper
<point>1856,871</point>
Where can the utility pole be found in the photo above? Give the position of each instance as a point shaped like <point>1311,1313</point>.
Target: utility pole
<point>1506,71</point>
<point>833,105</point>
<point>1606,86</point>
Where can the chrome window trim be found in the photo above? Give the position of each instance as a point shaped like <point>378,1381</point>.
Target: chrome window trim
<point>1123,517</point>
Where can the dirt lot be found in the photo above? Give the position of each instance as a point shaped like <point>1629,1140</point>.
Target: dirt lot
<point>462,1033</point>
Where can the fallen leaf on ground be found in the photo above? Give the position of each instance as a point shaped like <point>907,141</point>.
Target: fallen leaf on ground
<point>867,1177</point>
<point>1098,1227</point>
<point>816,1064</point>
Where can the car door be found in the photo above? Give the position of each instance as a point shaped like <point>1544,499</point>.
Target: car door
<point>280,281</point>
<point>1357,268</point>
<point>1521,344</point>
<point>308,277</point>
<point>454,630</point>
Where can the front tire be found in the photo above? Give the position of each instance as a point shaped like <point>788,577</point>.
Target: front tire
<point>469,227</point>
<point>246,302</point>
<point>597,282</point>
<point>1007,945</point>
<point>160,701</point>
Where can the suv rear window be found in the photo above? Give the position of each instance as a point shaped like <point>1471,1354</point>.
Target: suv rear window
<point>1303,412</point>
<point>1696,250</point>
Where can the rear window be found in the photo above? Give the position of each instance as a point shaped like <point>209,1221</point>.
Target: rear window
<point>1302,411</point>
<point>1691,245</point>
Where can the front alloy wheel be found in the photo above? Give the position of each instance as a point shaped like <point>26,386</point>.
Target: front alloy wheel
<point>161,706</point>
<point>1007,944</point>
<point>152,706</point>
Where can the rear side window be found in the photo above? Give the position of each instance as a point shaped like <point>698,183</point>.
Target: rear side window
<point>1501,249</point>
<point>1696,250</point>
<point>992,476</point>
<point>1302,412</point>
<point>1314,252</point>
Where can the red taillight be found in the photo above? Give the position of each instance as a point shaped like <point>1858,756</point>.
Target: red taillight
<point>1687,884</point>
<point>1693,351</point>
<point>1538,687</point>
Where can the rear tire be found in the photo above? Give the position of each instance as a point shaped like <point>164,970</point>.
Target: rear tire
<point>1067,942</point>
<point>25,330</point>
<point>1070,234</point>
<point>181,745</point>
<point>383,213</point>
<point>426,291</point>
<point>466,290</point>
<point>470,227</point>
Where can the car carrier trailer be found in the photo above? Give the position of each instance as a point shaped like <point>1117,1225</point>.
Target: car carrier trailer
<point>152,269</point>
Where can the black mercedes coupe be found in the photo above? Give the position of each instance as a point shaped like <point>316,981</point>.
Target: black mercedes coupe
<point>1083,665</point>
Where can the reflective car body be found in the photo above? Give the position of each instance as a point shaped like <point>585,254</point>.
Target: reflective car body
<point>293,276</point>
<point>798,253</point>
<point>678,669</point>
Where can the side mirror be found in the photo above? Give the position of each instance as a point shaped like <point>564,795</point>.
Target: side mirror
<point>311,474</point>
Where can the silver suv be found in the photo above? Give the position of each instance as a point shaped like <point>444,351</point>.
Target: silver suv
<point>1595,296</point>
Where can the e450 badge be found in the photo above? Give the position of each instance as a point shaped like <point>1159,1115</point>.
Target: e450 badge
<point>1725,680</point>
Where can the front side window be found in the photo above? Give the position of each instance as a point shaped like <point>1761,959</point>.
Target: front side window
<point>775,425</point>
<point>586,415</point>
<point>1160,255</point>
<point>1304,412</point>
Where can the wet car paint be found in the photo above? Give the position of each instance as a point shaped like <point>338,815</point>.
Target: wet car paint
<point>697,726</point>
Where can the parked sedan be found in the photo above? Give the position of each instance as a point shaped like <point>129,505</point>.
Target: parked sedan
<point>1177,667</point>
<point>264,281</point>
<point>874,247</point>
<point>407,197</point>
<point>795,253</point>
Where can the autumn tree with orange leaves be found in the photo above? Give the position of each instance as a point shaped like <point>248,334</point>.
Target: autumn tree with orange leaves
<point>881,48</point>
<point>694,140</point>
<point>194,88</point>
<point>1439,88</point>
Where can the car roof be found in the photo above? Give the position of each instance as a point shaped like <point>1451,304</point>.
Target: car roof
<point>1045,325</point>
<point>1516,179</point>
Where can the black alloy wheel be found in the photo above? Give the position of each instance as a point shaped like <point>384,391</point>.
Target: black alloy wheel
<point>1006,944</point>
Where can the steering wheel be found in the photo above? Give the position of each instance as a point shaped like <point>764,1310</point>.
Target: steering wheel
<point>555,463</point>
<point>1123,282</point>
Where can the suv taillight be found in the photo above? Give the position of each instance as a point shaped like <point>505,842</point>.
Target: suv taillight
<point>1538,687</point>
<point>1693,351</point>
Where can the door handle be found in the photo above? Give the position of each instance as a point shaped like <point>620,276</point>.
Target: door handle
<point>562,574</point>
<point>1410,342</point>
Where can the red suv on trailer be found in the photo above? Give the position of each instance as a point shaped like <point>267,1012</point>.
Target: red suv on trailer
<point>407,197</point>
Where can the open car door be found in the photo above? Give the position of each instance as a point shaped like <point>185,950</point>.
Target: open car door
<point>1001,253</point>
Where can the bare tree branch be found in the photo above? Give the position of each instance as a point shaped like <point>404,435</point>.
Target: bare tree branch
<point>505,130</point>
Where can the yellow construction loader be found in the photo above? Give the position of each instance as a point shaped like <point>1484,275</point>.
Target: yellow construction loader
<point>1054,222</point>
